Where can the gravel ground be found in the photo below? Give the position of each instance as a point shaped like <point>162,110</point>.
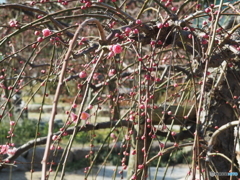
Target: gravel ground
<point>174,173</point>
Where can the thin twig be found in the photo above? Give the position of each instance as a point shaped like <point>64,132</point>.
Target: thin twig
<point>99,25</point>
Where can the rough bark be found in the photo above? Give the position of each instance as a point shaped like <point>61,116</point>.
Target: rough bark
<point>220,108</point>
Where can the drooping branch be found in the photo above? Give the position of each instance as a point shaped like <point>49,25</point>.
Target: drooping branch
<point>88,127</point>
<point>213,139</point>
<point>56,99</point>
<point>31,9</point>
<point>168,150</point>
<point>99,25</point>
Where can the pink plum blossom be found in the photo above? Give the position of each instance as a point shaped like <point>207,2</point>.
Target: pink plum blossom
<point>84,116</point>
<point>12,151</point>
<point>117,48</point>
<point>73,116</point>
<point>4,149</point>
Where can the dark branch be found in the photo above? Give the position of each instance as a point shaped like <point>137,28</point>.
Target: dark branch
<point>40,141</point>
<point>179,136</point>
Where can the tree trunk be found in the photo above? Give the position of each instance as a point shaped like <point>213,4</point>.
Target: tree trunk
<point>219,108</point>
<point>142,147</point>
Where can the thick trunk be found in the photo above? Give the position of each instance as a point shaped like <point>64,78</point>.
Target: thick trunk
<point>220,108</point>
<point>141,146</point>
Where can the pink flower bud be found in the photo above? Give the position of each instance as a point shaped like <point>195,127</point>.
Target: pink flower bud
<point>90,106</point>
<point>52,147</point>
<point>128,30</point>
<point>73,116</point>
<point>112,72</point>
<point>54,137</point>
<point>112,135</point>
<point>174,8</point>
<point>83,74</point>
<point>138,21</point>
<point>74,105</point>
<point>37,33</point>
<point>160,25</point>
<point>135,31</point>
<point>83,39</point>
<point>168,4</point>
<point>207,10</point>
<point>46,32</point>
<point>141,106</point>
<point>39,39</point>
<point>12,123</point>
<point>166,24</point>
<point>64,133</point>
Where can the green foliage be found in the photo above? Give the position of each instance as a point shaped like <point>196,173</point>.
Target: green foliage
<point>22,132</point>
<point>4,128</point>
<point>78,164</point>
<point>94,137</point>
<point>82,138</point>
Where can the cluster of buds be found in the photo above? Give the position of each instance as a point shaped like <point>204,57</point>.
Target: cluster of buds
<point>13,23</point>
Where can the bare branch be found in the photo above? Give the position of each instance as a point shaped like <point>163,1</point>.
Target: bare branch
<point>88,127</point>
<point>213,139</point>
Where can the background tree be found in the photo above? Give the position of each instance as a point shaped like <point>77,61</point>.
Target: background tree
<point>153,64</point>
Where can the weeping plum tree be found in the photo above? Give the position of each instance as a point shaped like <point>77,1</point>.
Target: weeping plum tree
<point>152,64</point>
